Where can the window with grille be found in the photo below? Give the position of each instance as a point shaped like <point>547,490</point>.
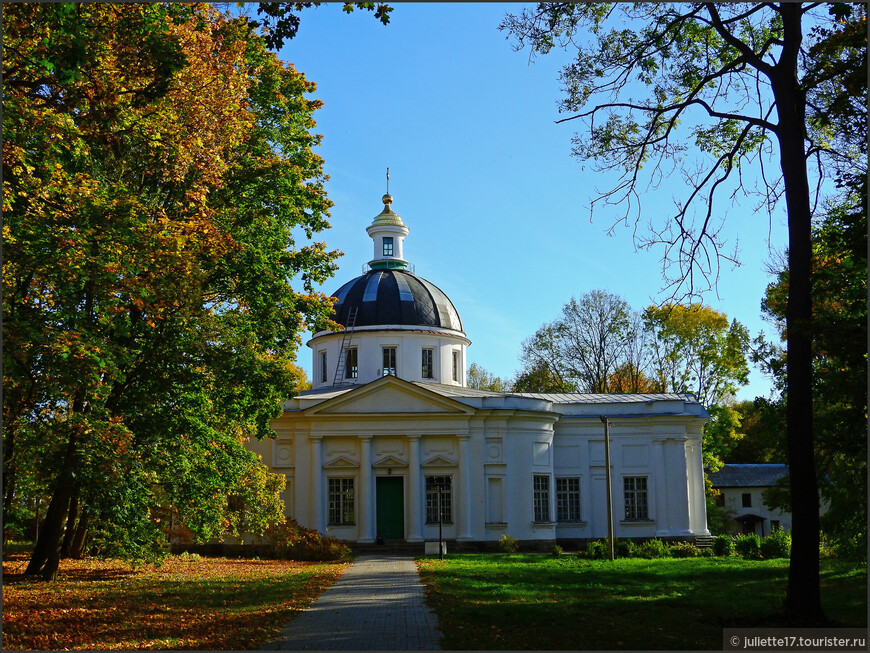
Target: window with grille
<point>747,499</point>
<point>456,366</point>
<point>636,498</point>
<point>351,366</point>
<point>388,245</point>
<point>341,501</point>
<point>542,498</point>
<point>389,361</point>
<point>432,484</point>
<point>568,499</point>
<point>427,371</point>
<point>323,371</point>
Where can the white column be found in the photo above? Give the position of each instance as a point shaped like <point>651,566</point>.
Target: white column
<point>660,483</point>
<point>415,497</point>
<point>366,496</point>
<point>316,484</point>
<point>465,489</point>
<point>699,495</point>
<point>678,482</point>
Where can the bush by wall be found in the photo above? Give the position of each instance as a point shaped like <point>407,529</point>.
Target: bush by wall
<point>626,549</point>
<point>748,545</point>
<point>597,549</point>
<point>508,544</point>
<point>684,550</point>
<point>294,542</point>
<point>776,545</point>
<point>653,549</point>
<point>723,545</point>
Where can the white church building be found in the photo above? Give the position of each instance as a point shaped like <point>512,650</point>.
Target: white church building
<point>390,425</point>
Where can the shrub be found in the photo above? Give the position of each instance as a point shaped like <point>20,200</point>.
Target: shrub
<point>653,549</point>
<point>508,544</point>
<point>626,549</point>
<point>556,550</point>
<point>294,542</point>
<point>706,552</point>
<point>684,550</point>
<point>723,545</point>
<point>748,545</point>
<point>597,549</point>
<point>776,545</point>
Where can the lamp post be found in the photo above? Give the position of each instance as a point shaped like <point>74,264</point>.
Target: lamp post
<point>609,484</point>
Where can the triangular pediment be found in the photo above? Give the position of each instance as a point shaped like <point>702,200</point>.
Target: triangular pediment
<point>438,461</point>
<point>389,395</point>
<point>389,461</point>
<point>341,462</point>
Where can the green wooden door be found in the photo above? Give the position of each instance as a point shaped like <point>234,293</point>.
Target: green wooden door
<point>390,506</point>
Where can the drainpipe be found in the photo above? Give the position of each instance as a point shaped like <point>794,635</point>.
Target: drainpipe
<point>609,485</point>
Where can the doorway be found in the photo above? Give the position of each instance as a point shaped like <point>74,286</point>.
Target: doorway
<point>390,507</point>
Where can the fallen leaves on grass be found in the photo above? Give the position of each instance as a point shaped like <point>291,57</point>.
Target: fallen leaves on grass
<point>210,603</point>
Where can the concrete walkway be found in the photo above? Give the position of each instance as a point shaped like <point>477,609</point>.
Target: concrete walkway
<point>379,603</point>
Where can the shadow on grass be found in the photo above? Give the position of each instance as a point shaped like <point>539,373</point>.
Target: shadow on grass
<point>504,602</point>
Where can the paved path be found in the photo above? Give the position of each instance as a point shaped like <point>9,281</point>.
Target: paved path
<point>378,604</point>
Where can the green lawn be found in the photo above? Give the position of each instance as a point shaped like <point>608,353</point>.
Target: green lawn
<point>535,601</point>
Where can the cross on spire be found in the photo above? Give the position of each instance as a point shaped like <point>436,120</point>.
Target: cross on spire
<point>388,180</point>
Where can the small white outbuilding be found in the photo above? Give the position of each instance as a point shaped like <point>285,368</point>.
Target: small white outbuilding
<point>390,432</point>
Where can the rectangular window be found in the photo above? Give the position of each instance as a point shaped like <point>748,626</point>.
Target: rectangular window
<point>427,364</point>
<point>351,366</point>
<point>389,361</point>
<point>542,498</point>
<point>568,499</point>
<point>388,245</point>
<point>456,366</point>
<point>636,501</point>
<point>323,372</point>
<point>747,500</point>
<point>432,485</point>
<point>341,501</point>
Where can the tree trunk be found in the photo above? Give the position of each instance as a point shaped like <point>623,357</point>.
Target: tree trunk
<point>70,525</point>
<point>803,598</point>
<point>46,553</point>
<point>77,549</point>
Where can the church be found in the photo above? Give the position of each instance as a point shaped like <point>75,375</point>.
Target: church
<point>391,445</point>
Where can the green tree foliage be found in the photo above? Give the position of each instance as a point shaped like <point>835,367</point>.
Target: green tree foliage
<point>694,349</point>
<point>722,87</point>
<point>480,379</point>
<point>762,423</point>
<point>158,173</point>
<point>280,20</point>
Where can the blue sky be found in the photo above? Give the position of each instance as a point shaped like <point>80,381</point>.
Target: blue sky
<point>498,210</point>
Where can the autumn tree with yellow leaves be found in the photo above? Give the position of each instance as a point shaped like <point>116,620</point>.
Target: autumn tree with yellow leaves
<point>161,200</point>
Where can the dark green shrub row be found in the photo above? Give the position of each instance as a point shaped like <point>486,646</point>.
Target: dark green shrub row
<point>752,547</point>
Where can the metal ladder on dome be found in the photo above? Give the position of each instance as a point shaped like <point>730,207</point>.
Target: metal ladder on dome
<point>345,341</point>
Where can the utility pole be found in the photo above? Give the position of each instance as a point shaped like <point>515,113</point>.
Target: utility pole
<point>609,485</point>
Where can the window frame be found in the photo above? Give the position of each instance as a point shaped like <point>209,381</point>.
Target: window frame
<point>351,372</point>
<point>387,246</point>
<point>338,512</point>
<point>430,482</point>
<point>541,498</point>
<point>394,356</point>
<point>427,368</point>
<point>746,499</point>
<point>456,365</point>
<point>324,368</point>
<point>636,498</point>
<point>568,507</point>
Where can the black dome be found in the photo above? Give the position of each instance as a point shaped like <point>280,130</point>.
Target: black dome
<point>395,297</point>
